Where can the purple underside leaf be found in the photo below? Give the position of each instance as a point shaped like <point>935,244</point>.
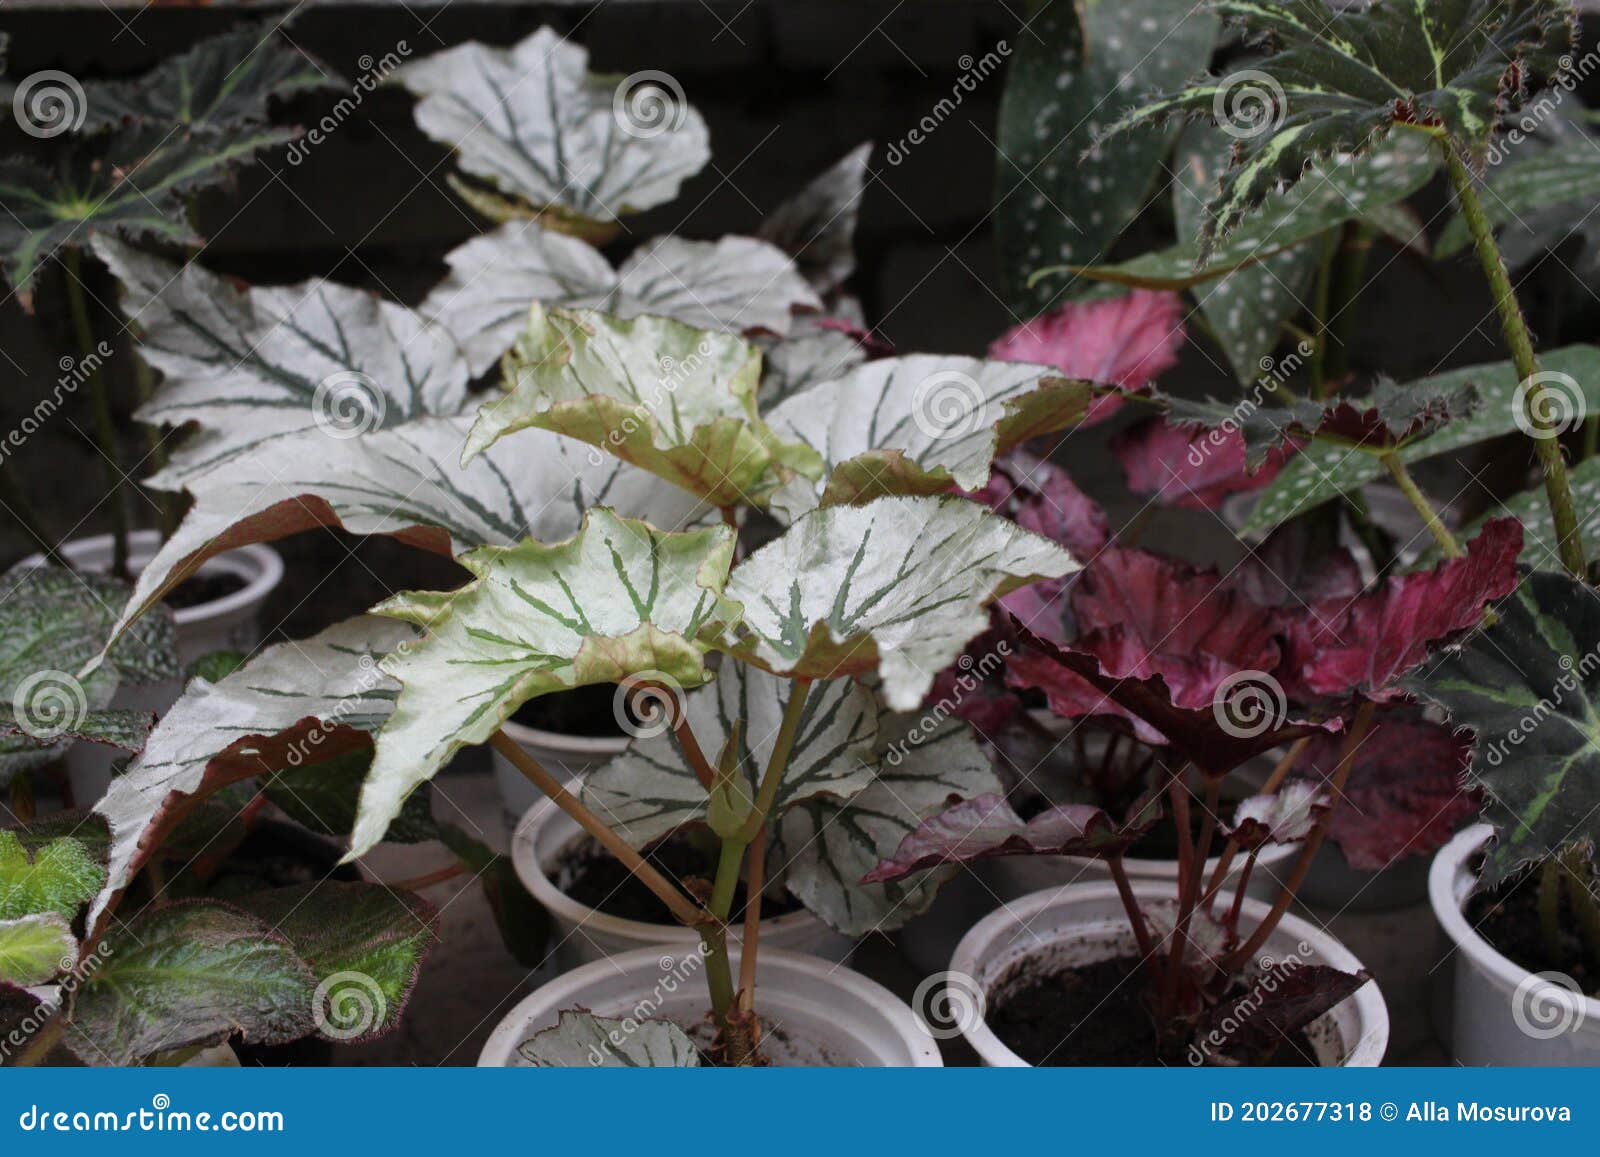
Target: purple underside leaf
<point>987,826</point>
<point>1279,1002</point>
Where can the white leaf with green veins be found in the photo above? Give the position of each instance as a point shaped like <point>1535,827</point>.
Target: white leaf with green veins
<point>35,948</point>
<point>407,481</point>
<point>898,586</point>
<point>827,844</point>
<point>811,354</point>
<point>251,365</point>
<point>619,598</point>
<point>914,425</point>
<point>672,399</point>
<point>303,700</point>
<point>534,123</point>
<point>737,284</point>
<point>584,1040</point>
<point>650,789</point>
<point>817,226</point>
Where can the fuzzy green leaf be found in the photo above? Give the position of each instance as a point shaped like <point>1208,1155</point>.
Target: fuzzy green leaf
<point>35,948</point>
<point>60,876</point>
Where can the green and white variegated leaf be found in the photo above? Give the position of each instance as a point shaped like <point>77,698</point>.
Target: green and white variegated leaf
<point>53,623</point>
<point>1524,195</point>
<point>898,586</point>
<point>364,943</point>
<point>60,877</point>
<point>817,226</point>
<point>406,481</point>
<point>650,789</point>
<point>535,124</point>
<point>35,948</point>
<point>1339,189</point>
<point>812,353</point>
<point>827,845</point>
<point>132,184</point>
<point>1529,688</point>
<point>1058,199</point>
<point>1335,81</point>
<point>294,703</point>
<point>223,83</point>
<point>1248,308</point>
<point>584,1040</point>
<point>674,400</point>
<point>735,284</point>
<point>1320,472</point>
<point>251,365</point>
<point>915,425</point>
<point>618,599</point>
<point>185,975</point>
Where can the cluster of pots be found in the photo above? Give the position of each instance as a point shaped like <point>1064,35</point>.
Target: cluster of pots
<point>1490,1010</point>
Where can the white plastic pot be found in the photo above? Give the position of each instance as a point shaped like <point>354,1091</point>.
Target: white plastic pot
<point>1086,923</point>
<point>828,1015</point>
<point>584,934</point>
<point>1500,1013</point>
<point>564,756</point>
<point>229,623</point>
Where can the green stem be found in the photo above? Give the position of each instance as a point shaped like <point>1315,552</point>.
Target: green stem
<point>1319,312</point>
<point>1419,502</point>
<point>729,863</point>
<point>719,973</point>
<point>782,748</point>
<point>1558,491</point>
<point>105,425</point>
<point>1352,267</point>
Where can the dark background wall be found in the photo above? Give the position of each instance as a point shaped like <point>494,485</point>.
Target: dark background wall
<point>787,86</point>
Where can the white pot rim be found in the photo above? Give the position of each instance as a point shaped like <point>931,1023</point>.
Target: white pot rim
<point>564,992</point>
<point>585,745</point>
<point>1371,1009</point>
<point>258,564</point>
<point>525,859</point>
<point>1448,869</point>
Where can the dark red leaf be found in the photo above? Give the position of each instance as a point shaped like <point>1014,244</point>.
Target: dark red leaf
<point>1280,1002</point>
<point>1189,467</point>
<point>1291,570</point>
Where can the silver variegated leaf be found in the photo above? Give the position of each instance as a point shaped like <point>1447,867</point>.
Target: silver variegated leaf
<point>584,1040</point>
<point>535,124</point>
<point>251,365</point>
<point>817,226</point>
<point>294,703</point>
<point>672,399</point>
<point>812,353</point>
<point>915,425</point>
<point>618,599</point>
<point>898,586</point>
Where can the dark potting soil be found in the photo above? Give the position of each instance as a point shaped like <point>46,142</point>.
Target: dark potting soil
<point>1508,918</point>
<point>592,876</point>
<point>1092,1014</point>
<point>586,711</point>
<point>200,589</point>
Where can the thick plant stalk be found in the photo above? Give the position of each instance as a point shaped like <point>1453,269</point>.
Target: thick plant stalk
<point>1557,489</point>
<point>1130,904</point>
<point>105,426</point>
<point>1419,502</point>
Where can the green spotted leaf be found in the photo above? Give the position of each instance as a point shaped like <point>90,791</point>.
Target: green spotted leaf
<point>223,83</point>
<point>59,876</point>
<point>1538,197</point>
<point>1321,472</point>
<point>674,400</point>
<point>535,124</point>
<point>897,586</point>
<point>364,943</point>
<point>187,975</point>
<point>1071,70</point>
<point>35,948</point>
<point>915,425</point>
<point>618,599</point>
<point>584,1040</point>
<point>1528,687</point>
<point>1532,509</point>
<point>1336,81</point>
